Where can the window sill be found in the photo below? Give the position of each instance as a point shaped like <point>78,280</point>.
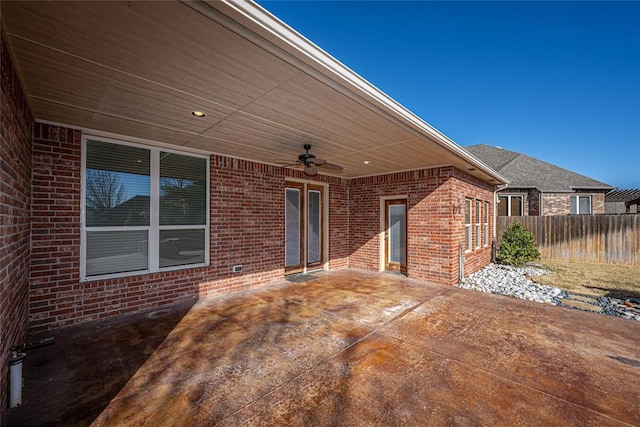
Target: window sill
<point>140,273</point>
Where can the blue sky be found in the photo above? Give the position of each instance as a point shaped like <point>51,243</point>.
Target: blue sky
<point>559,81</point>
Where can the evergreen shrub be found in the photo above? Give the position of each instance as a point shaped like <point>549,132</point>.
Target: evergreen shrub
<point>517,247</point>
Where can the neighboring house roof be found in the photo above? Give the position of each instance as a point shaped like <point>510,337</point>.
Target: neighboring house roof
<point>619,195</point>
<point>139,68</point>
<point>523,171</point>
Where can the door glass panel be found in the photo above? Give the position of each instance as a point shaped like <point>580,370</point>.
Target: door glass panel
<point>397,234</point>
<point>292,227</point>
<point>314,250</point>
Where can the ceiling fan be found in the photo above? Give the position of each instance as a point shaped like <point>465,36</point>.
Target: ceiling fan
<point>311,163</point>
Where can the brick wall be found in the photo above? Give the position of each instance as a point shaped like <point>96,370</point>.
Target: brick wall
<point>55,237</point>
<point>560,203</point>
<point>435,221</point>
<point>246,227</point>
<point>15,171</point>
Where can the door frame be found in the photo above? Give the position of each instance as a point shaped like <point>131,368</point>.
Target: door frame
<point>305,186</point>
<point>383,229</point>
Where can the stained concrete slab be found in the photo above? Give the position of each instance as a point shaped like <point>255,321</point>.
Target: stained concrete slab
<point>345,348</point>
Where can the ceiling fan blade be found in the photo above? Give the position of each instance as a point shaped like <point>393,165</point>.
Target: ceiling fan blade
<point>318,162</point>
<point>331,167</point>
<point>288,163</point>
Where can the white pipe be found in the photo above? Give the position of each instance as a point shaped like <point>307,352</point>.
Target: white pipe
<point>15,378</point>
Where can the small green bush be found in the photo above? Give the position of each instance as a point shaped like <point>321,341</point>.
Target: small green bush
<point>517,247</point>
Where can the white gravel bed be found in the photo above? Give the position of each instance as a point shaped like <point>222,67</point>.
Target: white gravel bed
<point>512,281</point>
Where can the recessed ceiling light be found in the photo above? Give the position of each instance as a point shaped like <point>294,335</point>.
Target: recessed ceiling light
<point>198,114</point>
<point>366,162</point>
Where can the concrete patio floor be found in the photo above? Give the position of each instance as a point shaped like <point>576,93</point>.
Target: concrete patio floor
<point>345,348</point>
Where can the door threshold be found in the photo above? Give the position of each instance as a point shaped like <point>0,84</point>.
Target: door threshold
<point>396,273</point>
<point>299,277</point>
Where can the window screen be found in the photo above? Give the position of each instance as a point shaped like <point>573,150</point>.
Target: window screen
<point>131,224</point>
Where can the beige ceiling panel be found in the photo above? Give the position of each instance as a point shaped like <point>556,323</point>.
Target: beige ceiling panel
<point>54,76</point>
<point>246,129</point>
<point>60,113</point>
<point>353,165</point>
<point>414,154</point>
<point>309,106</point>
<point>166,42</point>
<point>243,151</point>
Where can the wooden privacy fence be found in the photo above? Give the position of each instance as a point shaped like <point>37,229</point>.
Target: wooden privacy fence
<point>608,239</point>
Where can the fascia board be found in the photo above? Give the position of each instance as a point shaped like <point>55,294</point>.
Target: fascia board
<point>592,187</point>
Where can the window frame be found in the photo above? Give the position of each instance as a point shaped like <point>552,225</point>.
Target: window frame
<point>485,224</point>
<point>509,197</point>
<point>154,228</point>
<point>478,212</point>
<point>467,225</point>
<point>577,198</point>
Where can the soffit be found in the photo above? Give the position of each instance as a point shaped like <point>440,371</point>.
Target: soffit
<point>140,68</point>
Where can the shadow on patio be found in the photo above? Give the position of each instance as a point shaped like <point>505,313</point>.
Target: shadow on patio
<point>345,348</point>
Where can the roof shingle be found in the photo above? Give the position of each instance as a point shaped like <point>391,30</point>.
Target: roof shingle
<point>524,171</point>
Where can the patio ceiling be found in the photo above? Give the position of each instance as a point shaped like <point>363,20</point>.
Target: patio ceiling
<point>139,69</point>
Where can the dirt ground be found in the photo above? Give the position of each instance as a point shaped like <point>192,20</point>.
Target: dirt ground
<point>611,280</point>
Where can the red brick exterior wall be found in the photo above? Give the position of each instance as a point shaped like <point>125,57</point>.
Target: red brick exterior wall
<point>55,237</point>
<point>560,203</point>
<point>435,221</point>
<point>15,192</point>
<point>246,228</point>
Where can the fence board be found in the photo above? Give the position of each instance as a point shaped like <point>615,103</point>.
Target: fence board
<point>608,239</point>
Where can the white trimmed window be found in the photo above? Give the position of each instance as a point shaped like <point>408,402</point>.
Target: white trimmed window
<point>510,206</point>
<point>478,238</point>
<point>580,205</point>
<point>485,224</point>
<point>144,209</point>
<point>467,224</point>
